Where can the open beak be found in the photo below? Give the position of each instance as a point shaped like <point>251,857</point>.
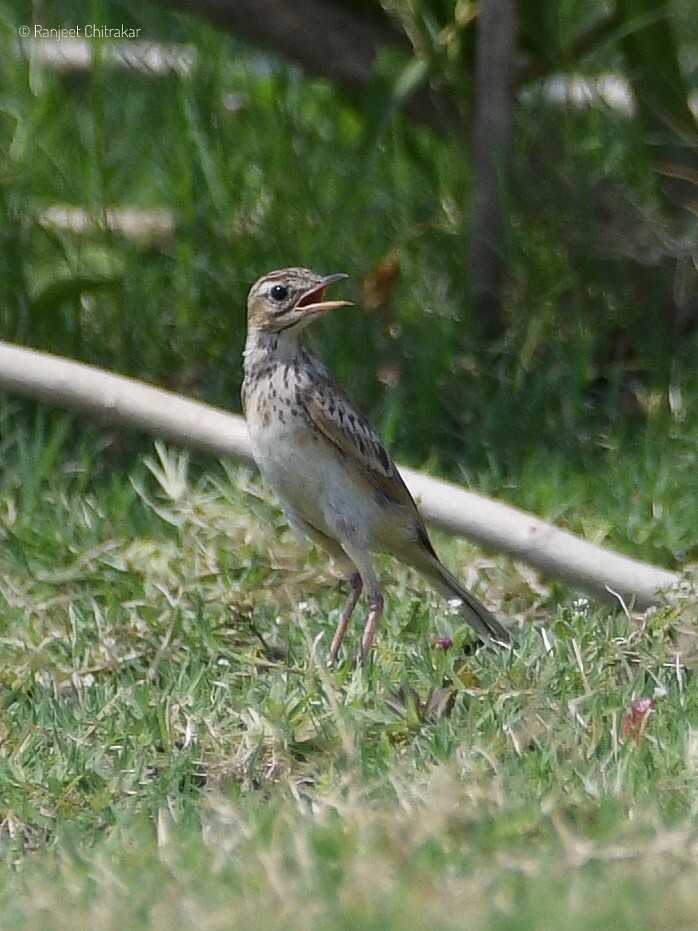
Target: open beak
<point>312,303</point>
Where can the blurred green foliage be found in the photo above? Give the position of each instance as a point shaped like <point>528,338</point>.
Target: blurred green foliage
<point>150,636</point>
<point>262,168</point>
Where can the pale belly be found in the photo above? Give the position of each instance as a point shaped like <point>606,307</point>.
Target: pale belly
<point>312,481</point>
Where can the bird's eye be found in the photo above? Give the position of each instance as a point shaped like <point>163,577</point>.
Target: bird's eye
<point>278,292</point>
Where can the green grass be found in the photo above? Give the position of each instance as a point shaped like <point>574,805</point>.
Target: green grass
<point>174,752</point>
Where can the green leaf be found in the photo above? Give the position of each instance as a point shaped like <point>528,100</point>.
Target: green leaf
<point>92,268</point>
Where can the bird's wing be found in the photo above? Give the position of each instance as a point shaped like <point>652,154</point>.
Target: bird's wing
<point>340,421</point>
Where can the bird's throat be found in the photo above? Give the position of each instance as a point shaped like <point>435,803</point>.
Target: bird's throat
<point>263,347</point>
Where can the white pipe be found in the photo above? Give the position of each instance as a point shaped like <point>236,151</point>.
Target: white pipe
<point>500,527</point>
<point>554,552</point>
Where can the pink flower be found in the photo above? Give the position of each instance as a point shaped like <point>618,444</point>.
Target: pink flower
<point>443,643</point>
<point>636,718</point>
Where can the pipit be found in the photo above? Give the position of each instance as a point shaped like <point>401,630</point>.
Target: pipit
<point>336,482</point>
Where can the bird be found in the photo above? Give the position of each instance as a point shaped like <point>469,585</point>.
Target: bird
<point>336,482</point>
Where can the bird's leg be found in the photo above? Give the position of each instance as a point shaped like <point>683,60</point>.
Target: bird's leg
<point>375,612</point>
<point>355,589</point>
<point>360,556</point>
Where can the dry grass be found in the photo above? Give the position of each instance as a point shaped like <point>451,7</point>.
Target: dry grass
<point>175,753</point>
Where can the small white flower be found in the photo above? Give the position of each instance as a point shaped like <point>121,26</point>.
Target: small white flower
<point>580,606</point>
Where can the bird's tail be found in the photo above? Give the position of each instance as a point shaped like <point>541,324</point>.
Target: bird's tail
<point>483,622</point>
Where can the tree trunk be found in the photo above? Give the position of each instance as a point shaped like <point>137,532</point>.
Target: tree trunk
<point>492,151</point>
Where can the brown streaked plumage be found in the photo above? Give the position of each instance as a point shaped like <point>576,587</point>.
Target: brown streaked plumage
<point>337,483</point>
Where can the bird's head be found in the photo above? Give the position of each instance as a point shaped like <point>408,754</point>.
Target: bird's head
<point>288,299</point>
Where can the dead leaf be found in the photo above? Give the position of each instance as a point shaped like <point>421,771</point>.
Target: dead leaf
<point>379,284</point>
